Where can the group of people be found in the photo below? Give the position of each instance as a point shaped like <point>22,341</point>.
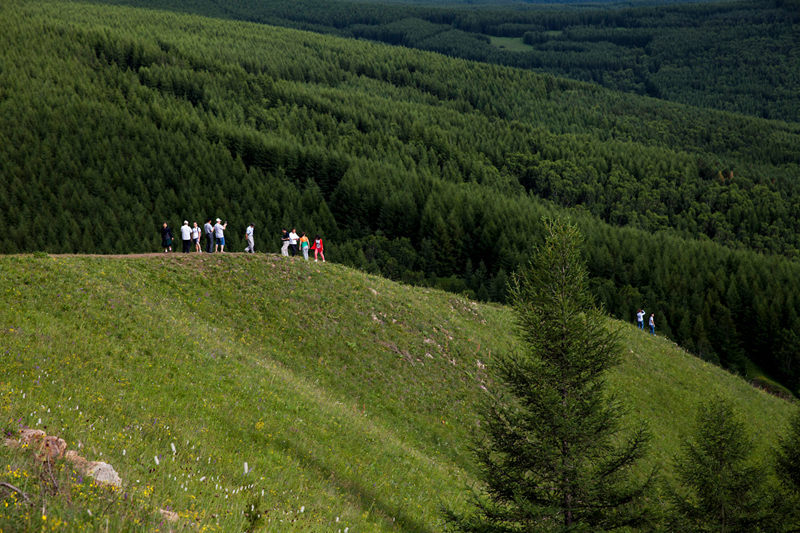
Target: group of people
<point>293,244</point>
<point>640,320</point>
<point>190,236</point>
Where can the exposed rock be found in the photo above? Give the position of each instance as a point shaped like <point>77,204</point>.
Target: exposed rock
<point>30,436</point>
<point>79,462</point>
<point>50,447</point>
<point>103,473</point>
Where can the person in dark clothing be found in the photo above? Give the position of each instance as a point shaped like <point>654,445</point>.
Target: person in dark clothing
<point>166,238</point>
<point>208,228</point>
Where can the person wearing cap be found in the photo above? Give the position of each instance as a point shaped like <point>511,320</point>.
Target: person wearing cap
<point>208,228</point>
<point>186,237</point>
<point>248,236</point>
<point>219,235</point>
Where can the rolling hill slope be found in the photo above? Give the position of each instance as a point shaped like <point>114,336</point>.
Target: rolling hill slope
<point>114,119</point>
<point>349,398</point>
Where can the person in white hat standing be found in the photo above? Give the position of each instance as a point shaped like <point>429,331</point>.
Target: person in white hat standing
<point>219,235</point>
<point>186,237</point>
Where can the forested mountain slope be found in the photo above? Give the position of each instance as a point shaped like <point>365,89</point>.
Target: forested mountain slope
<point>736,56</point>
<point>427,169</point>
<point>244,390</point>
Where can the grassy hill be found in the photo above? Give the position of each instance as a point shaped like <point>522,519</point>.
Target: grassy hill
<point>115,119</point>
<point>350,398</point>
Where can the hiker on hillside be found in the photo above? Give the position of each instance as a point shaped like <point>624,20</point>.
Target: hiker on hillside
<point>640,318</point>
<point>186,237</point>
<point>653,324</point>
<point>166,238</point>
<point>219,235</point>
<point>293,238</point>
<point>284,243</point>
<point>248,236</point>
<point>196,237</point>
<point>209,231</point>
<point>304,245</point>
<point>318,247</point>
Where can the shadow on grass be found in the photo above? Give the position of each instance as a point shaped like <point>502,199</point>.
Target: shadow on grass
<point>365,497</point>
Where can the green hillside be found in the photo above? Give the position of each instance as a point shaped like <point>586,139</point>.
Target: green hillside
<point>739,56</point>
<point>114,120</point>
<point>350,397</point>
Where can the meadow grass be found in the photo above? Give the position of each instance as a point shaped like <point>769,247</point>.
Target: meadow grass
<point>351,399</point>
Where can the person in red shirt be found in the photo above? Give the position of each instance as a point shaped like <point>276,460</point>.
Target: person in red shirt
<point>318,247</point>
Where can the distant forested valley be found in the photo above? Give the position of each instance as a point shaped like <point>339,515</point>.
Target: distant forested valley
<point>426,169</point>
<point>741,56</point>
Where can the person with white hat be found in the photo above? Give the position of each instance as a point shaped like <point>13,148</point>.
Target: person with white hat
<point>186,237</point>
<point>219,235</point>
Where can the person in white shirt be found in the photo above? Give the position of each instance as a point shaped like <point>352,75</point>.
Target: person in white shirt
<point>248,236</point>
<point>293,237</point>
<point>186,237</point>
<point>640,318</point>
<point>219,235</point>
<point>653,324</point>
<point>196,237</point>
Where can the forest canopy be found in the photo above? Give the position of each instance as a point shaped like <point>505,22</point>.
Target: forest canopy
<point>741,56</point>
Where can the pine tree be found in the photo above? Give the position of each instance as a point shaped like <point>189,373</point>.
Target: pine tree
<point>553,456</point>
<point>721,488</point>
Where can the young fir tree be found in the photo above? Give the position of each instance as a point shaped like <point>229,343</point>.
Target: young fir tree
<point>554,456</point>
<point>721,488</point>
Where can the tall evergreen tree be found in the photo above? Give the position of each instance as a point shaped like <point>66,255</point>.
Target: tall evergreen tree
<point>554,456</point>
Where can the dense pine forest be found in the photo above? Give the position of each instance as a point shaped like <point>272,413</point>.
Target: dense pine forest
<point>114,119</point>
<point>741,56</point>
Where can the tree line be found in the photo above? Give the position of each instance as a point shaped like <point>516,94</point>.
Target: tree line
<point>115,120</point>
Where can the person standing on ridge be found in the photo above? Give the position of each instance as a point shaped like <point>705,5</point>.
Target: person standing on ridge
<point>304,245</point>
<point>209,231</point>
<point>166,238</point>
<point>293,238</point>
<point>285,243</point>
<point>186,237</point>
<point>219,235</point>
<point>248,236</point>
<point>653,324</point>
<point>196,237</point>
<point>640,318</point>
<point>318,248</point>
